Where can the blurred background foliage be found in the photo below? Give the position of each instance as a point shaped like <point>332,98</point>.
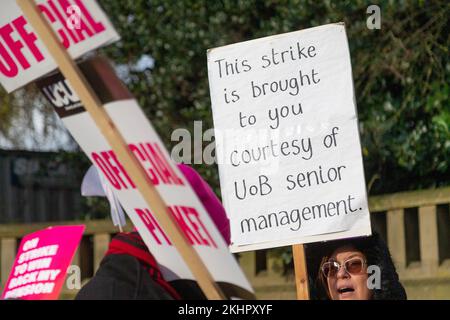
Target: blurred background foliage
<point>401,75</point>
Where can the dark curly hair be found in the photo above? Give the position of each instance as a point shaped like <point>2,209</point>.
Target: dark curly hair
<point>376,253</point>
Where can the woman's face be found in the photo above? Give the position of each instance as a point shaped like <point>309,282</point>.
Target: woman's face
<point>344,285</point>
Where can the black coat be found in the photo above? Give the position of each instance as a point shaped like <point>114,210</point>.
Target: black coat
<point>122,277</point>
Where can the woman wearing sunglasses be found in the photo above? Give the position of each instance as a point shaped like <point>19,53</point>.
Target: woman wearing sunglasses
<point>343,272</point>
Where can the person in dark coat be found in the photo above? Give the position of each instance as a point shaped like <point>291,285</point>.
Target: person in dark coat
<point>347,269</point>
<point>130,272</point>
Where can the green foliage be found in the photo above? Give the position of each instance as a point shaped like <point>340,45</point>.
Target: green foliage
<point>401,72</point>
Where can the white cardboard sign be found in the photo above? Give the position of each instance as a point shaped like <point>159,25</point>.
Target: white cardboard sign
<point>287,139</point>
<point>81,26</point>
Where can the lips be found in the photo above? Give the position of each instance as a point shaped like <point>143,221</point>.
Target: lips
<point>345,290</point>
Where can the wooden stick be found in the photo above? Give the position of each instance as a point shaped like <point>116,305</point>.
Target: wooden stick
<point>137,173</point>
<point>301,272</point>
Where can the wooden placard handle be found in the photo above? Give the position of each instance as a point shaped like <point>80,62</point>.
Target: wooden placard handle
<point>301,272</point>
<point>107,127</point>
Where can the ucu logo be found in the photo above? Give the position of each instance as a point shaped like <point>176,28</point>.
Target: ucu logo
<point>61,94</point>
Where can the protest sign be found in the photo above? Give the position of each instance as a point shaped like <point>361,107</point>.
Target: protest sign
<point>41,263</point>
<point>119,146</point>
<point>287,139</point>
<point>81,26</point>
<point>182,203</point>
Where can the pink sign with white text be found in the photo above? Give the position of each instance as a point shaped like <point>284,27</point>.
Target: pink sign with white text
<point>41,263</point>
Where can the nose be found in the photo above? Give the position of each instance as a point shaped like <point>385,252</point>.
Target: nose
<point>342,273</point>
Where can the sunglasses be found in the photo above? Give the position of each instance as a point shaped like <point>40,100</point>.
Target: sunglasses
<point>351,266</point>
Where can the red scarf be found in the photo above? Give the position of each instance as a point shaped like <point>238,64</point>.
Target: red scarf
<point>131,243</point>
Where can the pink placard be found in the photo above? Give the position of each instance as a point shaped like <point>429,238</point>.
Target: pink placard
<point>41,263</point>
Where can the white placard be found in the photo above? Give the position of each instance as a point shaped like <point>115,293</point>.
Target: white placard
<point>81,26</point>
<point>287,139</point>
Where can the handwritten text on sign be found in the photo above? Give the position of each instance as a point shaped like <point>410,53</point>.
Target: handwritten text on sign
<point>81,26</point>
<point>41,263</point>
<point>289,152</point>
